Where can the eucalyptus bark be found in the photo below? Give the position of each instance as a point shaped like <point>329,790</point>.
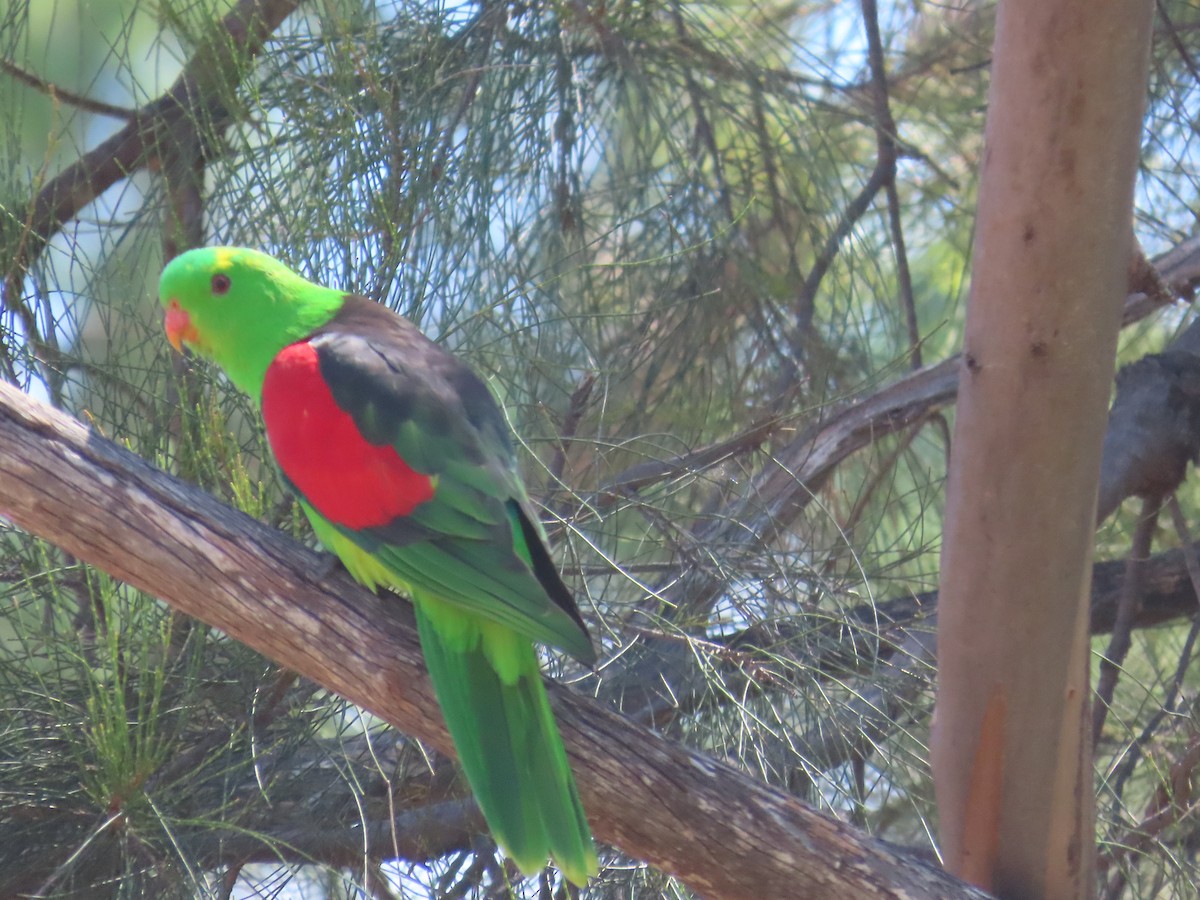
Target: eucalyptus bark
<point>1011,748</point>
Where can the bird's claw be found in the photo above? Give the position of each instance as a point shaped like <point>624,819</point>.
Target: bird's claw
<point>327,567</point>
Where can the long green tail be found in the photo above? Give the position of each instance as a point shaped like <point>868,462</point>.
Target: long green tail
<point>489,685</point>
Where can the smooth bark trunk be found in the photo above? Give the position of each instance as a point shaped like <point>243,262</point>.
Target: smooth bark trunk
<point>1011,750</point>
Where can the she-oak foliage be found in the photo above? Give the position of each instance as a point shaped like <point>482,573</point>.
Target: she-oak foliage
<point>660,231</point>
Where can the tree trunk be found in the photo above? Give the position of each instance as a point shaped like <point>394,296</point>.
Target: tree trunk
<point>1011,750</point>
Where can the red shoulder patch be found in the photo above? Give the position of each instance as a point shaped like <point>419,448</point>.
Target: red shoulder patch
<point>345,478</point>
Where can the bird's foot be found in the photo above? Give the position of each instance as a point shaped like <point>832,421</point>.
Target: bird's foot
<point>327,567</point>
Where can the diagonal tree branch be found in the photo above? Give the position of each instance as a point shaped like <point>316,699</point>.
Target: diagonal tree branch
<point>653,800</point>
<point>801,465</point>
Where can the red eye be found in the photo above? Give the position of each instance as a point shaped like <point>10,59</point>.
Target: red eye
<point>220,283</point>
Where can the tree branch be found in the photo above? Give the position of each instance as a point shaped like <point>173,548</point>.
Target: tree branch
<point>53,90</point>
<point>651,799</point>
<point>888,152</point>
<point>198,95</point>
<point>1119,641</point>
<point>802,464</point>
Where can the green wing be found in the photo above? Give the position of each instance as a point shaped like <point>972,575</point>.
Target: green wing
<point>475,544</point>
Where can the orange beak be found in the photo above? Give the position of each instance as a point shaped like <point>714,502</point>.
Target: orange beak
<point>178,326</point>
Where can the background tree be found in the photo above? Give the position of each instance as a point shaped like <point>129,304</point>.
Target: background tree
<point>709,255</point>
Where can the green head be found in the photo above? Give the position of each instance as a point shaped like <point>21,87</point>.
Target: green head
<point>239,308</point>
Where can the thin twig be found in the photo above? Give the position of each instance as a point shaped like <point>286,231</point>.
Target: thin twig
<point>182,167</point>
<point>1172,801</point>
<point>570,424</point>
<point>12,288</point>
<point>885,136</point>
<point>704,130</point>
<point>1167,708</point>
<point>872,484</point>
<point>1131,597</point>
<point>1190,559</point>
<point>1185,55</point>
<point>59,93</point>
<point>488,20</point>
<point>229,880</point>
<point>807,295</point>
<point>377,883</point>
<point>646,474</point>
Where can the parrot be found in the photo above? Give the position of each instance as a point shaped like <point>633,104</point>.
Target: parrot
<point>404,465</point>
